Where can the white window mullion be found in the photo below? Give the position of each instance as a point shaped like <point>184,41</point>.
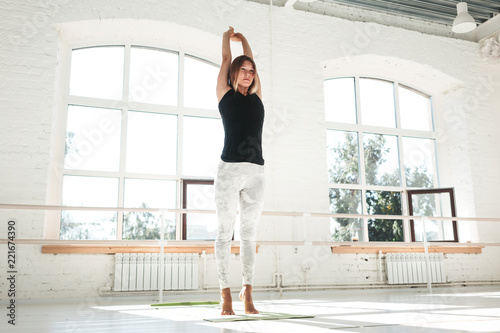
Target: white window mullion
<point>123,158</point>
<point>180,140</point>
<point>365,212</point>
<point>360,134</point>
<point>180,92</point>
<point>433,120</point>
<point>126,74</point>
<point>396,105</point>
<point>358,101</point>
<point>362,175</point>
<point>406,222</point>
<point>404,200</point>
<point>434,166</point>
<point>180,123</point>
<point>123,142</point>
<point>361,152</point>
<point>364,205</point>
<point>180,120</point>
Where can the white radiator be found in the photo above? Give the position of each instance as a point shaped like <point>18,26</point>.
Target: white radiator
<point>141,271</point>
<point>411,268</point>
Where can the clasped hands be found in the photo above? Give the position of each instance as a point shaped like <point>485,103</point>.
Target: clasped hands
<point>234,36</point>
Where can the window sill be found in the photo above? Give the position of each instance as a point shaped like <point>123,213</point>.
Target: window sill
<point>112,249</point>
<point>406,249</point>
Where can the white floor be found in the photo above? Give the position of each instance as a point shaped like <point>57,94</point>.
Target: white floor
<point>458,309</point>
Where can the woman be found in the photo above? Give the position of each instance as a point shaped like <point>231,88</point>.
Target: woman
<point>240,177</point>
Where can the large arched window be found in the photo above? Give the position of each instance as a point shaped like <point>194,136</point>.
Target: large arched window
<point>138,121</point>
<point>380,142</point>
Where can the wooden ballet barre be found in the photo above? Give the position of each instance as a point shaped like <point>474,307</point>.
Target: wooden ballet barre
<point>55,246</point>
<point>265,213</point>
<point>189,243</point>
<point>154,243</point>
<point>408,217</point>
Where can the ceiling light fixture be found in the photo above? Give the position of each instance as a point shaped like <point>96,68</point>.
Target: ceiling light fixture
<point>464,22</point>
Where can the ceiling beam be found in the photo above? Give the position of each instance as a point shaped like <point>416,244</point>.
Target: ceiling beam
<point>487,29</point>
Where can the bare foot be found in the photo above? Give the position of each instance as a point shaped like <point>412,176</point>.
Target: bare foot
<point>226,302</point>
<point>246,298</point>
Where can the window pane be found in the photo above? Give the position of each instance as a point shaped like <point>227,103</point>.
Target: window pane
<point>415,110</point>
<point>432,204</point>
<point>200,81</point>
<point>342,157</point>
<point>201,226</point>
<point>141,193</point>
<point>151,143</point>
<point>153,76</point>
<point>89,192</point>
<point>384,203</point>
<point>419,160</point>
<point>344,201</point>
<point>377,103</point>
<point>203,139</point>
<point>340,100</point>
<point>97,72</point>
<point>92,139</point>
<point>381,159</point>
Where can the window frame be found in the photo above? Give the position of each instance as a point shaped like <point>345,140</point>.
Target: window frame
<point>398,132</point>
<point>451,192</point>
<point>185,184</point>
<point>53,219</point>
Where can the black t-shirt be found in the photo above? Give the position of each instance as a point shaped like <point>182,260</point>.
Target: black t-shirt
<point>243,118</point>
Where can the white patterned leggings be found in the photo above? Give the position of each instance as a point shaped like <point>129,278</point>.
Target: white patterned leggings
<point>244,183</point>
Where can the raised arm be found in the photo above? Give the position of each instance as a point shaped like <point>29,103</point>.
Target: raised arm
<point>237,37</point>
<point>222,80</point>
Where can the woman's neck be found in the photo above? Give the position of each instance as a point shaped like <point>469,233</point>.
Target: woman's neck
<point>242,90</point>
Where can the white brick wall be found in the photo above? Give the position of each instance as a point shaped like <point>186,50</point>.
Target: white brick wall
<point>467,119</point>
<point>473,267</point>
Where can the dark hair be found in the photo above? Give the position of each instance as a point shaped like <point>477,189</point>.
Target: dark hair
<point>234,70</point>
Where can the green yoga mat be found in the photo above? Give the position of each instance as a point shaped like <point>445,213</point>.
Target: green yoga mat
<point>261,316</point>
<point>242,317</point>
<point>187,303</point>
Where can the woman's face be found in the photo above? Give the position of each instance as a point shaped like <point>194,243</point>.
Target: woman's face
<point>246,75</point>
